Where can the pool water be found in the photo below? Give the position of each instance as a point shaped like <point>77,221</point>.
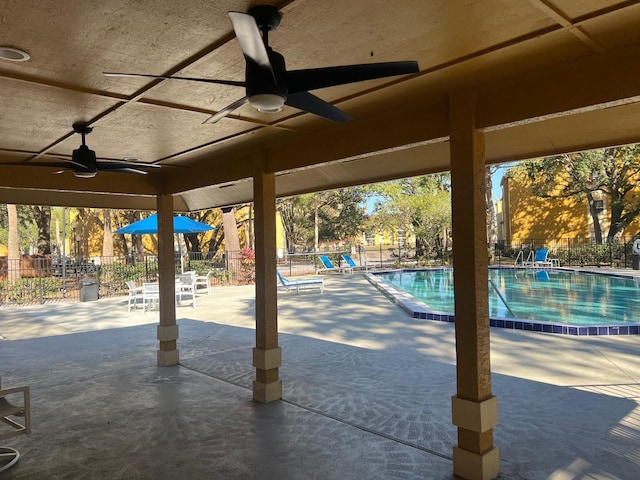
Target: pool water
<point>548,295</point>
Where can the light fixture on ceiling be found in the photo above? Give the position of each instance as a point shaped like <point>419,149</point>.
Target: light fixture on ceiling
<point>13,54</point>
<point>267,102</point>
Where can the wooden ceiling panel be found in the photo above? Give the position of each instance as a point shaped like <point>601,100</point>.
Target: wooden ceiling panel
<point>528,61</point>
<point>149,132</point>
<point>32,117</point>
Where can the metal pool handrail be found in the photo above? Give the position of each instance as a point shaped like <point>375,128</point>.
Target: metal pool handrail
<point>502,297</point>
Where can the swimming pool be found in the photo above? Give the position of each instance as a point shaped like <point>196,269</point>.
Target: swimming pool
<point>548,300</point>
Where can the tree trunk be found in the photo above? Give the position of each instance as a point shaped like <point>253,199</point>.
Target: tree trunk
<point>231,239</point>
<point>492,236</point>
<point>107,242</point>
<point>13,267</point>
<point>597,231</point>
<point>42,216</point>
<point>316,224</point>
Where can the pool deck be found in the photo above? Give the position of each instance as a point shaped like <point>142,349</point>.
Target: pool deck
<point>367,393</point>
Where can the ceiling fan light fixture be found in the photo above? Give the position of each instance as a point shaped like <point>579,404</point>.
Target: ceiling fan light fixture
<point>85,174</point>
<point>267,102</point>
<point>13,54</point>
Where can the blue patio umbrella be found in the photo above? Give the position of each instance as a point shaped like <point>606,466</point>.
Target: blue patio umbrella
<point>181,224</point>
<point>149,225</point>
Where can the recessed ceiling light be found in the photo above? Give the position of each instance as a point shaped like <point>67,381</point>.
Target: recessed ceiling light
<point>13,54</point>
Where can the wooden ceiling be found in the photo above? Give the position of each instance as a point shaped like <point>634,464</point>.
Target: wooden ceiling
<point>550,75</point>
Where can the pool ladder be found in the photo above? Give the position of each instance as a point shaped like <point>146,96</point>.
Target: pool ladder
<point>504,300</point>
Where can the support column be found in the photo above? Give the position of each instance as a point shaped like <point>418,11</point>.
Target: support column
<point>168,329</point>
<point>267,356</point>
<point>474,408</point>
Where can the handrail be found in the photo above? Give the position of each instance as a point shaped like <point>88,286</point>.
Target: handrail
<point>518,257</point>
<point>504,301</point>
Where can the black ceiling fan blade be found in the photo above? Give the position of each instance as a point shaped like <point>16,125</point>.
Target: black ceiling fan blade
<point>314,78</point>
<point>226,111</point>
<point>114,165</point>
<point>310,103</point>
<point>126,170</point>
<point>250,40</point>
<point>66,164</point>
<point>232,83</point>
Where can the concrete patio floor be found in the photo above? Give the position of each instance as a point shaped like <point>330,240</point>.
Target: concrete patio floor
<point>367,393</point>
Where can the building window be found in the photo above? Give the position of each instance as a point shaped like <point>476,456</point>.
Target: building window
<point>599,205</point>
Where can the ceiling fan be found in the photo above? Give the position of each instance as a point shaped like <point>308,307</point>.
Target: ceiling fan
<point>84,163</point>
<point>269,86</point>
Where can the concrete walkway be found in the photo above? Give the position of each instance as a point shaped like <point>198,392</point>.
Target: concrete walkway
<point>366,393</point>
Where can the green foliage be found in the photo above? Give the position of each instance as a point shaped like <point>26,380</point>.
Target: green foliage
<point>418,204</point>
<point>341,216</point>
<point>31,290</point>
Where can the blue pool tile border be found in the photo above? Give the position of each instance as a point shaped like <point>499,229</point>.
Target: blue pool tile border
<point>422,311</point>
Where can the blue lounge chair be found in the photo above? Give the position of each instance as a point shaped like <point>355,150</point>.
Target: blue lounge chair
<point>354,266</point>
<point>328,266</point>
<point>301,283</point>
<point>539,260</point>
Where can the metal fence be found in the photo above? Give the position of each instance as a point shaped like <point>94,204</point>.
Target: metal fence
<point>39,279</point>
<point>571,252</point>
<point>43,279</point>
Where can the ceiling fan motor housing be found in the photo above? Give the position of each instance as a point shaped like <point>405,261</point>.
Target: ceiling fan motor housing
<point>86,157</point>
<point>263,91</point>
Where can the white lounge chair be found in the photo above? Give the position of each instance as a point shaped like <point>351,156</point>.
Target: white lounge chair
<point>301,283</point>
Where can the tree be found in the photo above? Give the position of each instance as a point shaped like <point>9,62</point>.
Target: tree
<point>296,221</point>
<point>492,234</point>
<point>13,244</point>
<point>421,204</point>
<point>322,216</point>
<point>107,237</point>
<point>614,172</point>
<point>42,217</point>
<point>193,240</point>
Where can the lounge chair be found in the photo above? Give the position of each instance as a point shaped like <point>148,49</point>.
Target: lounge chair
<point>301,283</point>
<point>539,260</point>
<point>354,266</point>
<point>328,266</point>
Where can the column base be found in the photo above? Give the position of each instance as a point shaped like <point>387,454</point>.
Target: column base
<point>168,358</point>
<point>476,466</point>
<point>267,392</point>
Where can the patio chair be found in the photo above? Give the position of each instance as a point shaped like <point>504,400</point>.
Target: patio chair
<point>150,295</point>
<point>328,266</point>
<point>186,287</point>
<point>11,414</point>
<point>301,283</point>
<point>204,281</point>
<point>354,266</point>
<point>135,292</point>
